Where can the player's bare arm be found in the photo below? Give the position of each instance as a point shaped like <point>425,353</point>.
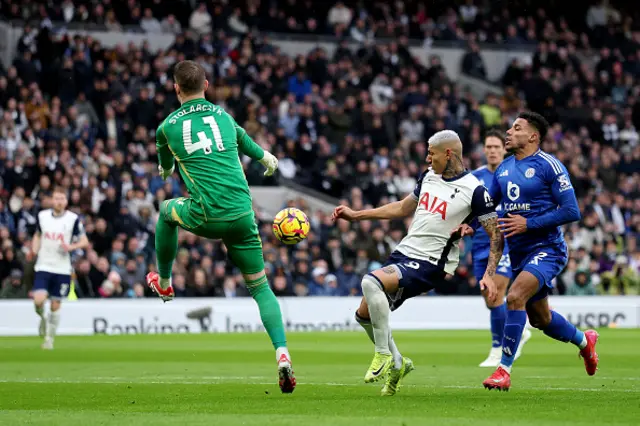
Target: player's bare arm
<point>490,225</point>
<point>83,242</point>
<point>35,243</point>
<point>396,210</point>
<point>463,230</point>
<point>496,239</point>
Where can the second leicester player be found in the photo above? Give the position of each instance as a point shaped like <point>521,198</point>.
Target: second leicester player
<point>204,140</point>
<point>494,151</point>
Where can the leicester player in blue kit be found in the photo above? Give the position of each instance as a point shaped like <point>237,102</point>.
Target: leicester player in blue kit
<point>537,197</point>
<point>494,151</point>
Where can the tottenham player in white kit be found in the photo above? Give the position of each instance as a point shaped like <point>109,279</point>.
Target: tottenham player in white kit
<point>445,197</point>
<point>59,232</point>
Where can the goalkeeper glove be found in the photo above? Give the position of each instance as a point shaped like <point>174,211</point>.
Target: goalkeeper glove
<point>270,162</point>
<point>164,174</point>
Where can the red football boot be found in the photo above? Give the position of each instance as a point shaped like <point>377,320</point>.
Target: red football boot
<point>153,281</point>
<point>589,353</point>
<point>285,372</point>
<point>500,380</point>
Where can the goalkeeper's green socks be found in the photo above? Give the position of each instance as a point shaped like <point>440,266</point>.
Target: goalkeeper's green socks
<point>166,250</point>
<point>269,310</point>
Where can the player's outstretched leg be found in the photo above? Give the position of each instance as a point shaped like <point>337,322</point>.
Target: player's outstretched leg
<point>379,311</point>
<point>52,325</point>
<point>244,248</point>
<point>401,365</point>
<point>166,252</point>
<point>271,317</point>
<point>557,327</point>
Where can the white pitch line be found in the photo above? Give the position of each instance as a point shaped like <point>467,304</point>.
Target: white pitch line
<point>635,379</point>
<point>222,379</point>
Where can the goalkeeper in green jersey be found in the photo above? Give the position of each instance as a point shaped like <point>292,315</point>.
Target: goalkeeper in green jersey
<point>204,142</point>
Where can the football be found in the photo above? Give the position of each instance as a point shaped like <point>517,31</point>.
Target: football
<point>291,226</point>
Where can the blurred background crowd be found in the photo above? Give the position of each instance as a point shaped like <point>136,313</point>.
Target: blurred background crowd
<point>351,124</point>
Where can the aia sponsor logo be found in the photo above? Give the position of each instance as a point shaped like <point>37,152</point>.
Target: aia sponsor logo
<point>54,236</point>
<point>434,205</point>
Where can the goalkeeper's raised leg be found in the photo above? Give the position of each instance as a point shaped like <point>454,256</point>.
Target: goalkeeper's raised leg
<point>205,141</point>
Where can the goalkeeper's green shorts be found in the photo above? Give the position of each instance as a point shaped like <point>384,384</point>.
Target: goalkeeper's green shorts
<point>239,235</point>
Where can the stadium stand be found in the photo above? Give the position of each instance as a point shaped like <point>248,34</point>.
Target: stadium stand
<point>351,125</point>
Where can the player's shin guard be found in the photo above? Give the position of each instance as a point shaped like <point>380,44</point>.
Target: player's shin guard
<point>166,250</point>
<point>379,311</point>
<point>269,310</point>
<point>498,316</point>
<point>561,329</point>
<point>515,323</point>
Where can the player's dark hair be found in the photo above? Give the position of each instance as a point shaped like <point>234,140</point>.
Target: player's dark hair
<point>537,121</point>
<point>495,133</point>
<point>190,76</point>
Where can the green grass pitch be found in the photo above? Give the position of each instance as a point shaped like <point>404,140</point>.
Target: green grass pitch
<point>229,379</point>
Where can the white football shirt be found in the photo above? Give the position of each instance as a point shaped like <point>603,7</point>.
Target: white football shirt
<point>54,230</point>
<point>444,204</point>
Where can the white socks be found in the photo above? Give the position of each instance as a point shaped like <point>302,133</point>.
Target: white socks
<point>40,311</point>
<point>52,325</point>
<point>368,328</point>
<point>379,312</point>
<point>282,350</point>
<point>165,283</point>
<point>584,342</point>
<point>505,368</point>
<point>397,356</point>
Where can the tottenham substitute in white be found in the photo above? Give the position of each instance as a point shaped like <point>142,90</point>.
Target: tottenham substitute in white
<point>59,232</point>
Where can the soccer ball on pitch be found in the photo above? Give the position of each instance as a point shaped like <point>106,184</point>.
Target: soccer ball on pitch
<point>291,226</point>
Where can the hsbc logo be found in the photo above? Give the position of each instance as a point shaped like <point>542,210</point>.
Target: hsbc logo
<point>596,319</point>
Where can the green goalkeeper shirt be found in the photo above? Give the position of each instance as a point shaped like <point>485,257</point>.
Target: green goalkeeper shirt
<point>205,140</point>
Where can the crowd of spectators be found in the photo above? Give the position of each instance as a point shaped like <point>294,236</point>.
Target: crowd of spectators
<point>352,124</point>
<point>594,23</point>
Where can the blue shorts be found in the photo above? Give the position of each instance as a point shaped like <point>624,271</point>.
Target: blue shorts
<point>57,285</point>
<point>416,277</point>
<point>504,267</point>
<point>545,263</point>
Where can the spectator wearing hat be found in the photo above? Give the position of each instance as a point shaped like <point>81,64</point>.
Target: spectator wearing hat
<point>13,286</point>
<point>318,285</point>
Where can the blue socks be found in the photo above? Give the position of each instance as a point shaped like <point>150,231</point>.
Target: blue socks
<point>561,329</point>
<point>515,323</point>
<point>498,316</point>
